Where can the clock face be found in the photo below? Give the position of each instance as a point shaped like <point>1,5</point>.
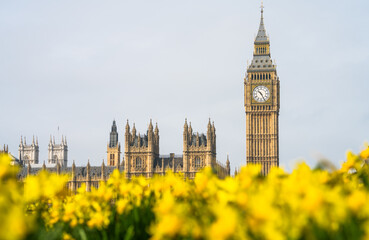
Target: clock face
<point>261,94</point>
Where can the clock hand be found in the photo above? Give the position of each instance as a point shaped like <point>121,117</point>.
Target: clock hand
<point>262,95</point>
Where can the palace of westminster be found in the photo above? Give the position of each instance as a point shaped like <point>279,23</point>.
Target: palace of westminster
<point>141,156</point>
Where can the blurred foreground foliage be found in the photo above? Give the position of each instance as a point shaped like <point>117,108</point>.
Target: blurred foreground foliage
<point>306,204</point>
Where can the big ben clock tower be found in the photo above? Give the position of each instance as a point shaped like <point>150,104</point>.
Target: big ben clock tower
<point>262,105</point>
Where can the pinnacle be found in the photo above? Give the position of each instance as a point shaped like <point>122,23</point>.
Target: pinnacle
<point>261,36</point>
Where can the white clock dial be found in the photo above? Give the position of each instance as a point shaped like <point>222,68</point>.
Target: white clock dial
<point>261,94</point>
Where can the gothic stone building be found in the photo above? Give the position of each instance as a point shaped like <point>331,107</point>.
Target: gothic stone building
<point>28,154</point>
<point>57,153</point>
<point>262,105</point>
<point>141,158</point>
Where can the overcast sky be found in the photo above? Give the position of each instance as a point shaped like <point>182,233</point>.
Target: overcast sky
<point>78,65</point>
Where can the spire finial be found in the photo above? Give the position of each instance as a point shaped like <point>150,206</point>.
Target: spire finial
<point>262,8</point>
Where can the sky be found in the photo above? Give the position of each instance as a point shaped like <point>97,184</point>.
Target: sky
<point>78,65</point>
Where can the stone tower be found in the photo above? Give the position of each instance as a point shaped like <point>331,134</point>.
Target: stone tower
<point>262,105</point>
<point>113,149</point>
<point>140,151</point>
<point>28,154</point>
<point>199,150</point>
<point>58,153</point>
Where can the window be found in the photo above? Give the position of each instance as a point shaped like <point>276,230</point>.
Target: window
<point>138,162</point>
<point>55,159</point>
<point>197,162</point>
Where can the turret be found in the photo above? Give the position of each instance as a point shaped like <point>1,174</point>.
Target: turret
<point>185,135</point>
<point>127,127</point>
<point>88,177</point>
<point>29,169</point>
<point>58,168</point>
<point>103,171</point>
<point>209,135</point>
<point>190,131</point>
<point>6,149</point>
<point>44,166</point>
<point>73,171</point>
<point>214,136</point>
<point>156,130</point>
<point>134,131</point>
<point>114,126</point>
<point>127,136</point>
<point>73,184</point>
<point>185,127</point>
<point>88,168</point>
<point>151,128</point>
<point>156,137</point>
<point>113,142</point>
<point>150,135</point>
<point>228,166</point>
<point>113,148</point>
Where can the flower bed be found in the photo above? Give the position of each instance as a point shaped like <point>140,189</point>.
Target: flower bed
<point>306,204</point>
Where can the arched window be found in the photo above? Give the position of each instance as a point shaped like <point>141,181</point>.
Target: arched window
<point>197,162</point>
<point>138,162</point>
<point>55,159</point>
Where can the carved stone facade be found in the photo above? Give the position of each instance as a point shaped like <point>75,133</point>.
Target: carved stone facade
<point>199,150</point>
<point>28,154</point>
<point>141,152</point>
<point>58,153</point>
<point>142,158</point>
<point>262,105</point>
